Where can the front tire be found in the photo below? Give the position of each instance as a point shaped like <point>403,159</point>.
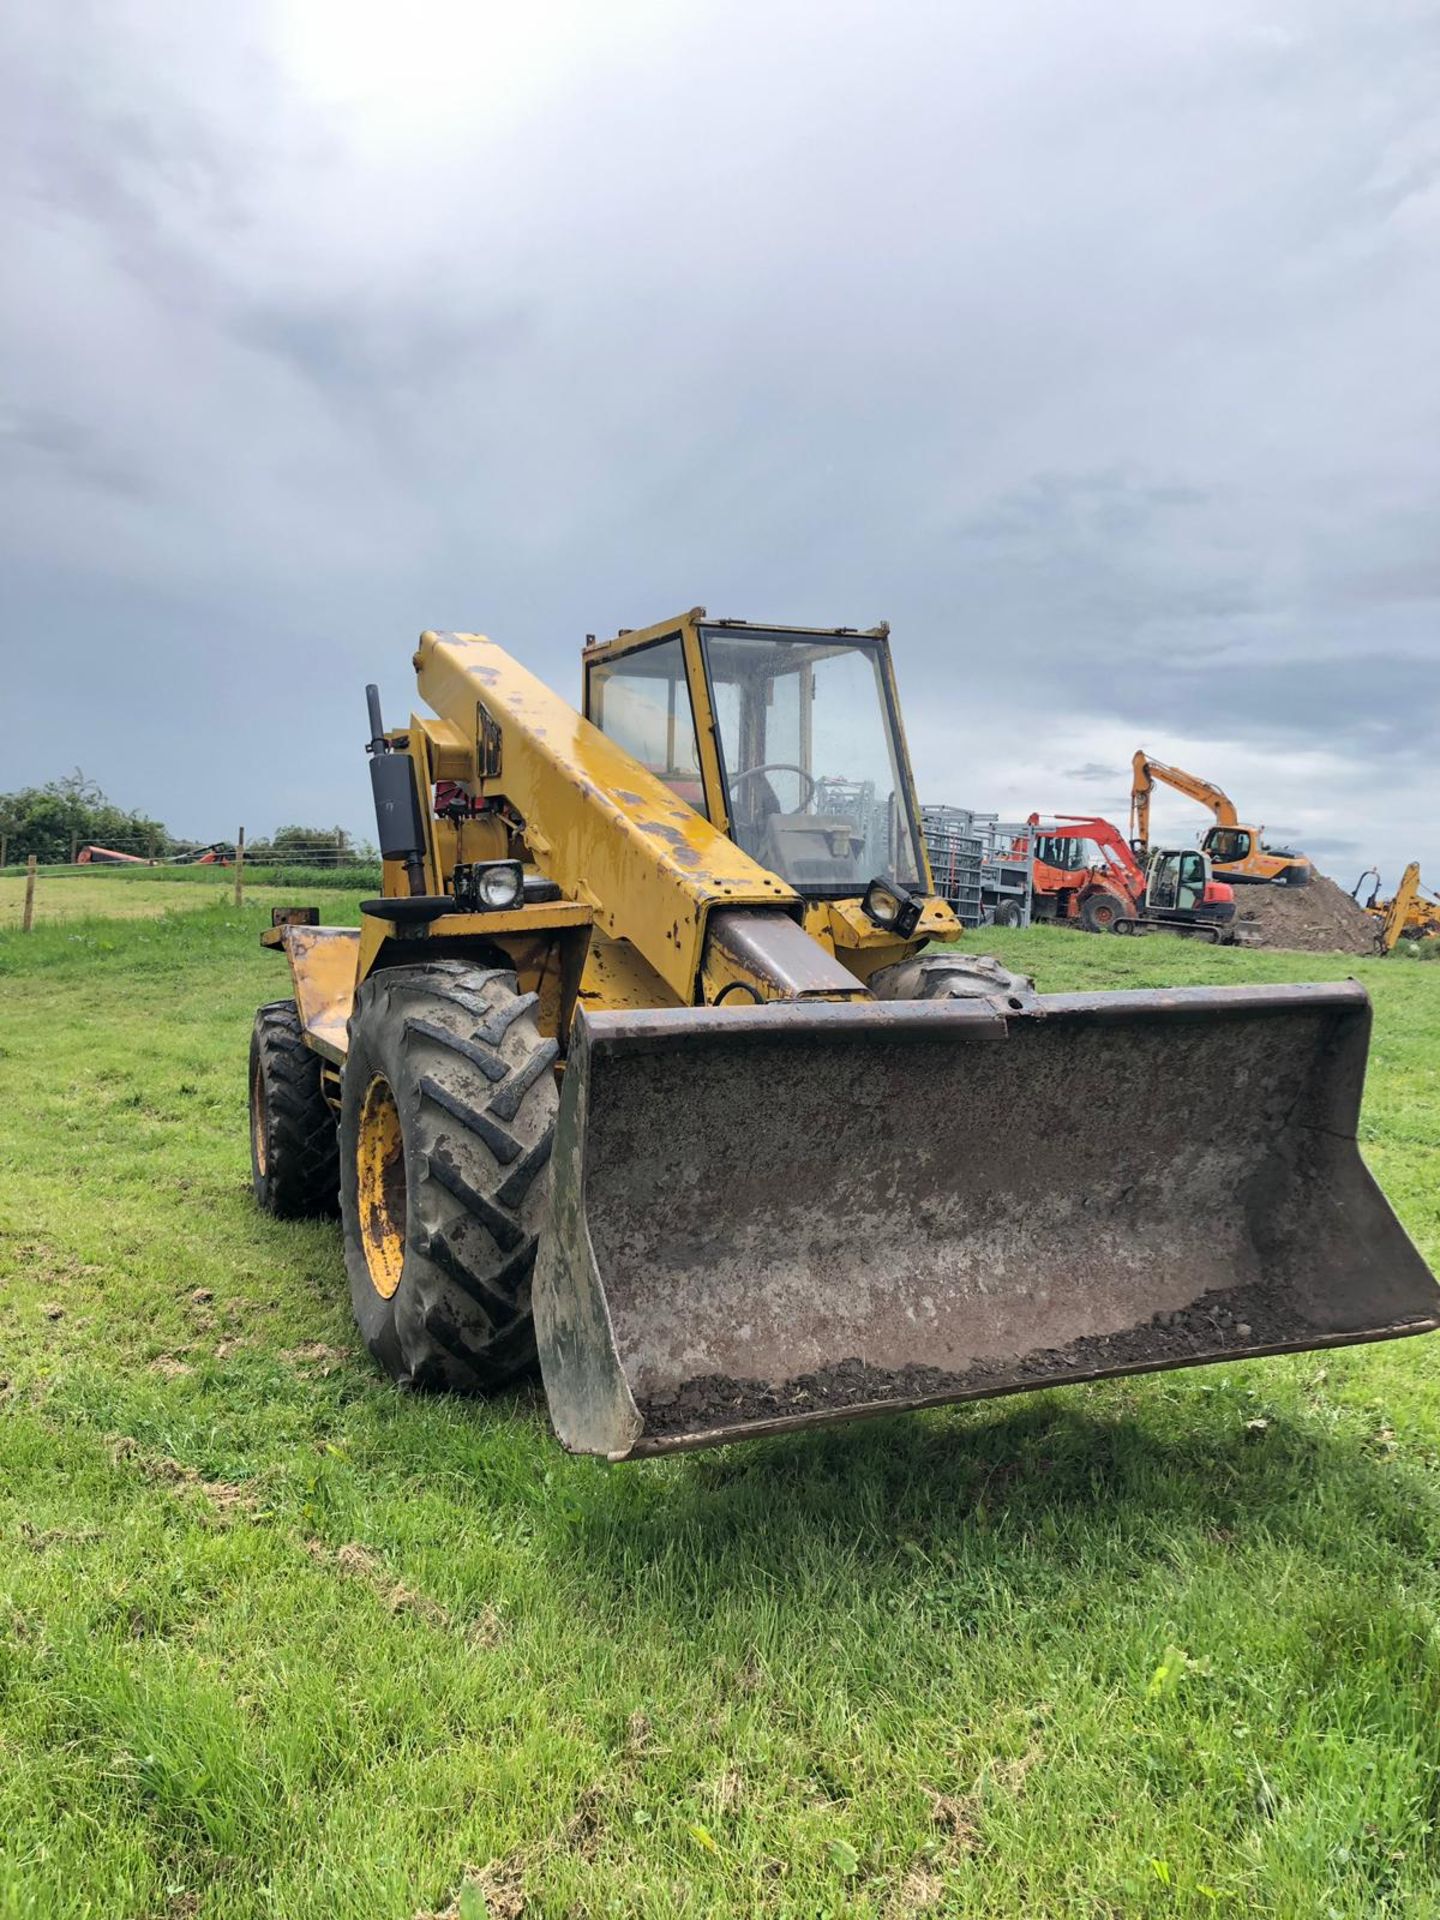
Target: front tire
<point>447,1118</point>
<point>1101,912</point>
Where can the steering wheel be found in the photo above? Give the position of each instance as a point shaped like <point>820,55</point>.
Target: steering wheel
<point>779,766</point>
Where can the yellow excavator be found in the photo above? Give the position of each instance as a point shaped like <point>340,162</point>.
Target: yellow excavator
<point>1238,853</point>
<point>1409,914</point>
<point>644,1056</point>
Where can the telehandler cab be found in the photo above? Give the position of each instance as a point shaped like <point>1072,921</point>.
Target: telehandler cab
<point>641,1056</point>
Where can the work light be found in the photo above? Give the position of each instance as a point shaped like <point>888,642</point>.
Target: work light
<point>499,884</point>
<point>892,907</point>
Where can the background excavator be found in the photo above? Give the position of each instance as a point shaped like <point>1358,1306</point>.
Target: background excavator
<point>641,1057</point>
<point>1086,873</point>
<point>1237,852</point>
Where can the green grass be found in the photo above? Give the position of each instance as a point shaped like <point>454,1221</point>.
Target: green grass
<point>144,896</point>
<point>257,873</point>
<point>278,1641</point>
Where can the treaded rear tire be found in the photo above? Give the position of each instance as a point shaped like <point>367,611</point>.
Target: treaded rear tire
<point>1100,910</point>
<point>294,1162</point>
<point>452,1051</point>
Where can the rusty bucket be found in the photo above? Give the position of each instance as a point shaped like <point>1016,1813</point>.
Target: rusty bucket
<point>776,1216</point>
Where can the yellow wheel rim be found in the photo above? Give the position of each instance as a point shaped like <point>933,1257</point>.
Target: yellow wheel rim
<point>380,1186</point>
<point>258,1142</point>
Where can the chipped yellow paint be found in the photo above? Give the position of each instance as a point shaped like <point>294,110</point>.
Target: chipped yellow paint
<point>380,1187</point>
<point>495,929</point>
<point>616,976</point>
<point>602,825</point>
<point>848,925</point>
<point>642,871</point>
<point>323,964</point>
<point>452,749</point>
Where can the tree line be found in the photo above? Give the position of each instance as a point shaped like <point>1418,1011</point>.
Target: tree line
<point>57,820</point>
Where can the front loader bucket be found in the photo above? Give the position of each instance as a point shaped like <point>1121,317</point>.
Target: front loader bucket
<point>776,1216</point>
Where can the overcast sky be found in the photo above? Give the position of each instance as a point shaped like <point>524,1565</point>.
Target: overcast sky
<point>1095,347</point>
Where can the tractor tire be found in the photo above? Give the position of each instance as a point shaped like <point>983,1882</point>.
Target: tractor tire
<point>1100,911</point>
<point>294,1161</point>
<point>1008,914</point>
<point>447,1118</point>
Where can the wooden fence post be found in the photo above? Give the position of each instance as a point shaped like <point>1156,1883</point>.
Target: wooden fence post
<point>29,895</point>
<point>74,847</point>
<point>240,868</point>
<point>4,839</point>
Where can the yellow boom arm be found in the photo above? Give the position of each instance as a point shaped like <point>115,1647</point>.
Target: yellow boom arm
<point>612,835</point>
<point>1145,772</point>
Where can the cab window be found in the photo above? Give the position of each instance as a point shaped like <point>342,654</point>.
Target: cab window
<point>641,701</point>
<point>810,758</point>
<point>1164,880</point>
<point>1228,843</point>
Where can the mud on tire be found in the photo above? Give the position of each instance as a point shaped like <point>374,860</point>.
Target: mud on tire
<point>1100,911</point>
<point>446,1124</point>
<point>294,1165</point>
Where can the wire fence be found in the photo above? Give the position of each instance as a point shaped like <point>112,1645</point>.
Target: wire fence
<point>59,852</point>
<point>289,862</point>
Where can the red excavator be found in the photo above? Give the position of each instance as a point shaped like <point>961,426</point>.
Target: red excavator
<point>1175,889</point>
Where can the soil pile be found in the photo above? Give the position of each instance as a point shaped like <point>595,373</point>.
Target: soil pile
<point>1320,918</point>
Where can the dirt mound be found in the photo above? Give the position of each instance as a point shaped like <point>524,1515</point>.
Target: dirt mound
<point>1320,918</point>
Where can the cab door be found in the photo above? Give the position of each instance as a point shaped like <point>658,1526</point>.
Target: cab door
<point>1163,883</point>
<point>1190,882</point>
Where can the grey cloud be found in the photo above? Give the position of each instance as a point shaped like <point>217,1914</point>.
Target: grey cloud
<point>1122,448</point>
<point>371,347</point>
<point>1096,774</point>
<point>34,438</point>
<point>1323,846</point>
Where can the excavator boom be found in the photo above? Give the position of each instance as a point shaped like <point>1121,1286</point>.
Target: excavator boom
<point>1237,851</point>
<point>1145,772</point>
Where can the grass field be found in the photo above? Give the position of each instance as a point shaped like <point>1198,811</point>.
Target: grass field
<point>130,893</point>
<point>72,896</point>
<point>276,1641</point>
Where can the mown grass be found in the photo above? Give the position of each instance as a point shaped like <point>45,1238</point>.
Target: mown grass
<point>72,894</point>
<point>275,1640</point>
<point>124,892</point>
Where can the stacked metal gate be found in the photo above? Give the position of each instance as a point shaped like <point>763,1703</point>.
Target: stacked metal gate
<point>983,865</point>
<point>956,840</point>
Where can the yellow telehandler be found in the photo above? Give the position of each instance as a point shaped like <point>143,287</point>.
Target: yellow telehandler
<point>644,1056</point>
